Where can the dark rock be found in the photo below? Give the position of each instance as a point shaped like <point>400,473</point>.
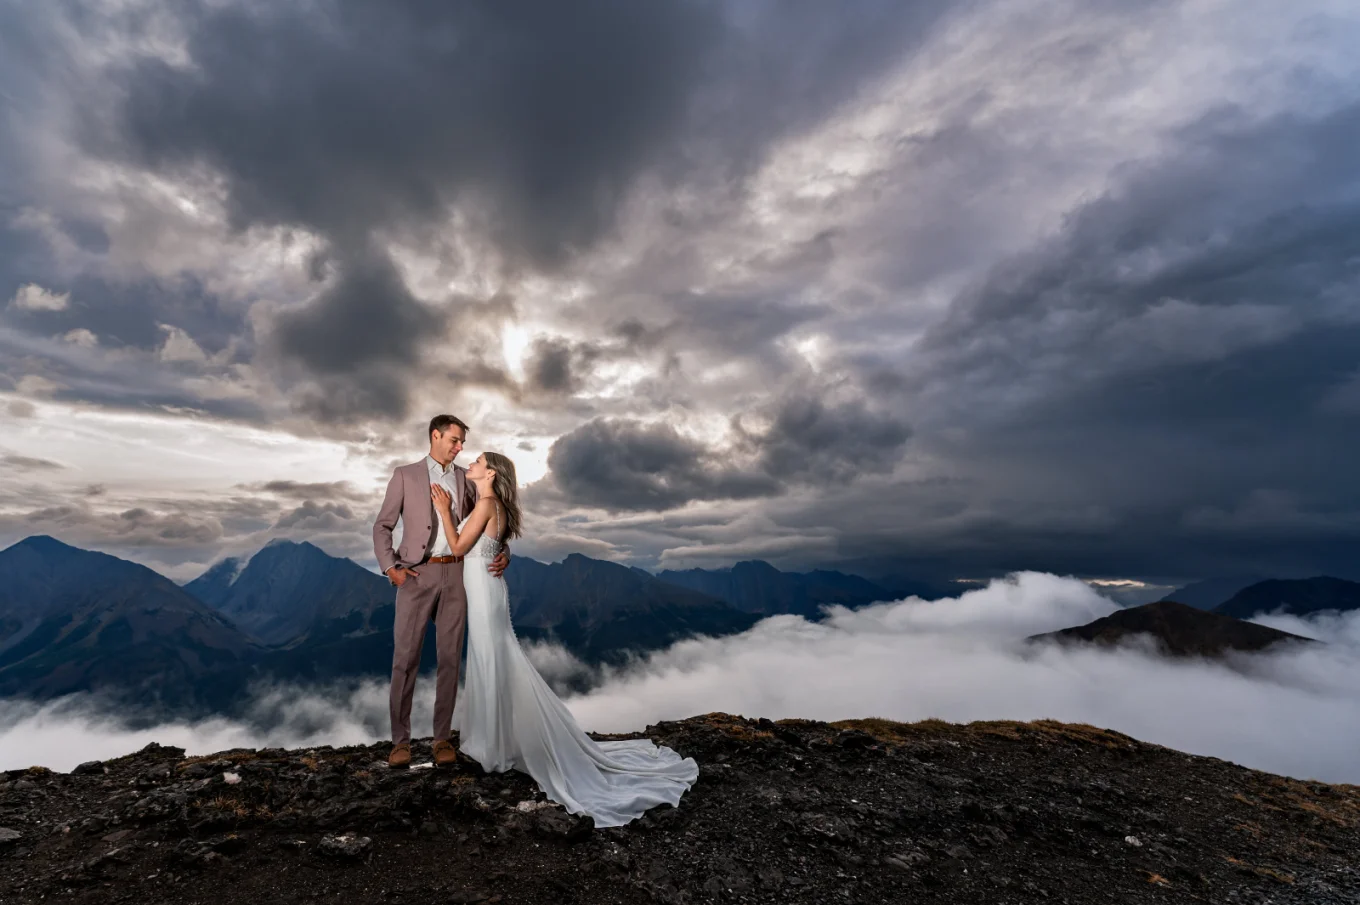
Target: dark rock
<point>90,767</point>
<point>161,752</point>
<point>347,847</point>
<point>467,896</point>
<point>854,738</point>
<point>556,823</point>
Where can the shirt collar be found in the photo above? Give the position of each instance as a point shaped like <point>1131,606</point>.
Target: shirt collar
<point>436,467</point>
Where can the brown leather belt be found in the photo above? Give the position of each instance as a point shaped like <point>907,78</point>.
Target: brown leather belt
<point>443,559</point>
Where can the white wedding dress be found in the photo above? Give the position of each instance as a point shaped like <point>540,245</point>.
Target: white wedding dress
<point>508,718</point>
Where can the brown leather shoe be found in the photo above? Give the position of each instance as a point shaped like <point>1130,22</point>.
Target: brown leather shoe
<point>400,756</point>
<point>445,755</point>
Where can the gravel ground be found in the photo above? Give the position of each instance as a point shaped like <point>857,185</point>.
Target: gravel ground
<point>784,812</point>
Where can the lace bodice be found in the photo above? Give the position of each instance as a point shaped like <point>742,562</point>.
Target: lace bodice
<point>487,547</point>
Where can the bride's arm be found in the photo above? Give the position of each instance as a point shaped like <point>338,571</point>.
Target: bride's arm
<point>461,543</point>
<point>476,524</point>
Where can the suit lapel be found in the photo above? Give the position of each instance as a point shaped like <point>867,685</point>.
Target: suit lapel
<point>420,480</point>
<point>460,491</point>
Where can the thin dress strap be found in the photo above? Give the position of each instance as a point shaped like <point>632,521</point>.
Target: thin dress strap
<point>496,535</point>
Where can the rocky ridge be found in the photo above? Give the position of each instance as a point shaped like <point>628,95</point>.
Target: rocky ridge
<point>791,811</point>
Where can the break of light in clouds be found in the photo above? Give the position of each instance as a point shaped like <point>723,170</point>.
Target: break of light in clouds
<point>942,289</point>
<point>960,660</point>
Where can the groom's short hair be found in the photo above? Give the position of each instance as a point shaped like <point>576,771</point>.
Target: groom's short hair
<point>442,423</point>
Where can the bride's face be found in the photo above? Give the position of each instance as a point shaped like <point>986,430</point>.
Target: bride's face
<point>478,470</point>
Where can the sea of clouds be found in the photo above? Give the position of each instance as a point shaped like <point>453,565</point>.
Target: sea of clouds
<point>1295,711</point>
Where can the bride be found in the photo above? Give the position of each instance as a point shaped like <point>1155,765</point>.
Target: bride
<point>506,715</point>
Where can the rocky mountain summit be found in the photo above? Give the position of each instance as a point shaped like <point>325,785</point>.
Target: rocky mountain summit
<point>792,811</point>
<point>1175,629</point>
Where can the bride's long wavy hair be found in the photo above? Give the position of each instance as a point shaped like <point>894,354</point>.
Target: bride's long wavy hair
<point>506,488</point>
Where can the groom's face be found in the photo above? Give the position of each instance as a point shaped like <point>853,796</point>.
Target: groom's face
<point>448,444</point>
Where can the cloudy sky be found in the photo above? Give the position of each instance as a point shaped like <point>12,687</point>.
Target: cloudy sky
<point>935,288</point>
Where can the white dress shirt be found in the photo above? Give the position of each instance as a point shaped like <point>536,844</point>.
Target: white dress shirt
<point>445,478</point>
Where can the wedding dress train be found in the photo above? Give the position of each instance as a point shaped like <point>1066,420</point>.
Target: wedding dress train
<point>508,718</point>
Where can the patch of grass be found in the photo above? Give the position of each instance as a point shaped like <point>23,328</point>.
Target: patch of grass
<point>890,730</point>
<point>1338,805</point>
<point>1011,730</point>
<point>735,726</point>
<point>1278,876</point>
<point>238,807</point>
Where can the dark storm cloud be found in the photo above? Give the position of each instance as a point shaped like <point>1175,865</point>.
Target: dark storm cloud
<point>555,365</point>
<point>316,516</point>
<point>135,527</point>
<point>624,465</point>
<point>1126,395</point>
<point>810,438</point>
<point>1240,212</point>
<point>531,118</point>
<point>304,490</point>
<point>350,115</point>
<point>360,338</point>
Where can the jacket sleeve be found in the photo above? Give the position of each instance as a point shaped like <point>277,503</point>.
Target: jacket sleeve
<point>386,521</point>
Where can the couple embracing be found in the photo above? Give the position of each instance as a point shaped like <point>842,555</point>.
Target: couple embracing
<point>448,568</point>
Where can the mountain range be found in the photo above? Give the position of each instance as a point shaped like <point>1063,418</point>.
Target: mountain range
<point>76,620</point>
<point>759,588</point>
<point>1212,592</point>
<point>600,611</point>
<point>1245,596</point>
<point>1296,597</point>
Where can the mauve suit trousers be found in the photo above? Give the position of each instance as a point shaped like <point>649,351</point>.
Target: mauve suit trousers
<point>434,592</point>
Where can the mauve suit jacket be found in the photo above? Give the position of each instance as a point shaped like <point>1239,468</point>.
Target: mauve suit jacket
<point>408,498</point>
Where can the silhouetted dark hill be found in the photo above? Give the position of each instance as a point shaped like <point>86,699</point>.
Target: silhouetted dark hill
<point>1210,593</point>
<point>290,592</point>
<point>1178,629</point>
<point>74,620</point>
<point>1298,597</point>
<point>601,610</point>
<point>757,587</point>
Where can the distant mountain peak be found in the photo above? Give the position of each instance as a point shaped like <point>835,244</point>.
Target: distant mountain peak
<point>223,572</point>
<point>45,543</point>
<point>284,543</point>
<point>1179,630</point>
<point>288,588</point>
<point>1297,597</point>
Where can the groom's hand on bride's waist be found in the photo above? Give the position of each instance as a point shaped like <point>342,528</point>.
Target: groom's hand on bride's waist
<point>497,565</point>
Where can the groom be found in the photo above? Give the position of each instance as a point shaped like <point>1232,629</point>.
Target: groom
<point>429,581</point>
